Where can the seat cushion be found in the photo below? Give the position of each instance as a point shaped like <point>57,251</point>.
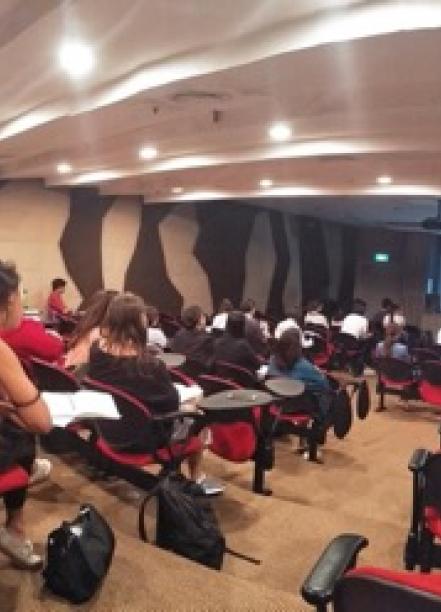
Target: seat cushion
<point>430,393</point>
<point>432,520</point>
<point>233,441</point>
<point>193,445</point>
<point>429,583</point>
<point>14,478</point>
<point>296,419</point>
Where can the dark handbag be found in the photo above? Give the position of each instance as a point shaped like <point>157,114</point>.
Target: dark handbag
<point>79,554</point>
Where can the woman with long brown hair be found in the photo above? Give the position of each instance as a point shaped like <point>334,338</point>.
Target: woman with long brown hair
<point>121,358</point>
<point>87,330</point>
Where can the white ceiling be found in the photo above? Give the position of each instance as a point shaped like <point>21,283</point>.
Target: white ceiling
<point>202,81</point>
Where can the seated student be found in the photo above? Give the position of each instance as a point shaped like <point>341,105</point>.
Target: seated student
<point>155,335</point>
<point>391,345</point>
<point>314,314</point>
<point>87,330</point>
<point>220,319</point>
<point>121,358</point>
<point>27,338</point>
<point>29,415</point>
<point>287,360</point>
<point>234,347</point>
<point>289,322</point>
<point>192,340</point>
<point>337,318</point>
<point>394,315</point>
<point>55,303</point>
<point>356,323</point>
<point>253,330</point>
<point>376,322</point>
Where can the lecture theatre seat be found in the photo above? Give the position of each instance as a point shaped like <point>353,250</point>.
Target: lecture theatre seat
<point>12,479</point>
<point>429,386</point>
<point>335,583</point>
<point>394,377</point>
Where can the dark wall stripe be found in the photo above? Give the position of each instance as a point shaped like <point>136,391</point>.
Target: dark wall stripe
<point>224,235</point>
<point>313,259</point>
<point>80,242</point>
<point>350,237</point>
<point>147,272</point>
<point>275,304</point>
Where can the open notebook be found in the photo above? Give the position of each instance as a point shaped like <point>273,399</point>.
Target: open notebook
<point>66,408</point>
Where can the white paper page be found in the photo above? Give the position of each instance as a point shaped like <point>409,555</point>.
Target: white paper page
<point>66,408</point>
<point>189,394</point>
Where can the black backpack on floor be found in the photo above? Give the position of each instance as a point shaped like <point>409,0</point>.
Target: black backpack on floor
<point>79,555</point>
<point>186,523</point>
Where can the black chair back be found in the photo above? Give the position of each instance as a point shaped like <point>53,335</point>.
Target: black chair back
<point>230,371</point>
<point>394,370</point>
<point>421,355</point>
<point>50,377</point>
<point>431,372</point>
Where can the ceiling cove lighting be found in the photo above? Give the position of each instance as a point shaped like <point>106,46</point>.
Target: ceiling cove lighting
<point>385,179</point>
<point>148,153</point>
<point>64,168</point>
<point>280,132</point>
<point>76,58</point>
<point>266,183</point>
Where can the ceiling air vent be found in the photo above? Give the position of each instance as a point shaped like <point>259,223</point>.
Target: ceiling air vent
<point>199,95</point>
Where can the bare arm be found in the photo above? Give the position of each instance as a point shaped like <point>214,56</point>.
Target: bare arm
<point>34,415</point>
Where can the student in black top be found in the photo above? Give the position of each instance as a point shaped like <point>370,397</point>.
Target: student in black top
<point>233,346</point>
<point>121,358</point>
<point>253,331</point>
<point>192,340</point>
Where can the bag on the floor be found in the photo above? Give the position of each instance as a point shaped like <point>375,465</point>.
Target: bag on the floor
<point>186,523</point>
<point>79,555</point>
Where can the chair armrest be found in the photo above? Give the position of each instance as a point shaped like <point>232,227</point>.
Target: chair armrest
<point>178,415</point>
<point>339,556</point>
<point>418,460</point>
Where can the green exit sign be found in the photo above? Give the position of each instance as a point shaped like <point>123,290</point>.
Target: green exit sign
<point>381,257</point>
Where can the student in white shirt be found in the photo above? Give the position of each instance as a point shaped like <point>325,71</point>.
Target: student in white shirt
<point>282,326</point>
<point>356,323</point>
<point>314,314</point>
<point>155,335</point>
<point>220,320</point>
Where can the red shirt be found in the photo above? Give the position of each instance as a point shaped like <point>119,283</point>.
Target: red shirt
<point>30,339</point>
<point>55,303</point>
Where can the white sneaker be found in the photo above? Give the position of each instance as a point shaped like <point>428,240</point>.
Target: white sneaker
<point>40,471</point>
<point>210,486</point>
<point>19,550</point>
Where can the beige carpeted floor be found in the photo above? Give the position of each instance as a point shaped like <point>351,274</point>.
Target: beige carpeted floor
<point>363,486</point>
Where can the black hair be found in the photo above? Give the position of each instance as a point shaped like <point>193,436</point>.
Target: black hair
<point>288,349</point>
<point>58,283</point>
<point>359,307</point>
<point>191,317</point>
<point>9,281</point>
<point>248,305</point>
<point>236,324</point>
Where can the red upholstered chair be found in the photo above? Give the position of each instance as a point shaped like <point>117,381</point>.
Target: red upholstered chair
<point>51,377</point>
<point>430,384</point>
<point>334,583</point>
<point>320,352</point>
<point>394,377</point>
<point>423,546</point>
<point>233,440</point>
<point>421,355</point>
<point>13,478</point>
<point>348,354</point>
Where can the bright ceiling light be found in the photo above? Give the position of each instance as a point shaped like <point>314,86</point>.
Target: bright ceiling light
<point>280,132</point>
<point>385,179</point>
<point>64,168</point>
<point>76,58</point>
<point>177,190</point>
<point>148,152</point>
<point>265,183</point>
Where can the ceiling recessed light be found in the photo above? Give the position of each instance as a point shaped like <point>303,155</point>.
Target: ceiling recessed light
<point>148,153</point>
<point>76,58</point>
<point>177,190</point>
<point>384,180</point>
<point>280,132</point>
<point>64,168</point>
<point>266,183</point>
